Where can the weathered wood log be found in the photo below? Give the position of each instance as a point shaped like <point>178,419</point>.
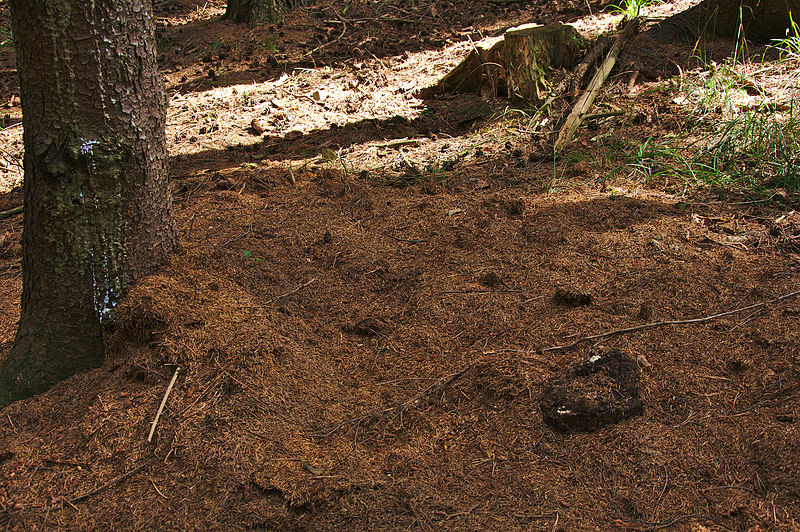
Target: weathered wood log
<point>585,102</point>
<point>515,64</point>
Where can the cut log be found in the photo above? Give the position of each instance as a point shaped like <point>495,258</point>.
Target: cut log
<point>516,64</point>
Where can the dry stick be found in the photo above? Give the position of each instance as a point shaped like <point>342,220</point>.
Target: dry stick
<point>287,294</point>
<point>580,70</point>
<point>10,159</point>
<point>587,99</point>
<point>105,486</point>
<point>399,143</point>
<point>324,45</point>
<point>163,402</point>
<point>671,322</point>
<point>12,212</point>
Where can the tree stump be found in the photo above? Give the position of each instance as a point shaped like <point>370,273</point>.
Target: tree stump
<point>516,64</point>
<point>484,63</point>
<point>531,51</point>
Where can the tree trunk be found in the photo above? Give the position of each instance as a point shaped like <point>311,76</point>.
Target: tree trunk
<point>98,213</point>
<point>258,11</point>
<point>759,20</point>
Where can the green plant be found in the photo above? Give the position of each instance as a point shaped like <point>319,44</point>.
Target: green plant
<point>249,255</point>
<point>633,8</point>
<point>789,47</point>
<point>269,46</point>
<point>757,148</point>
<point>6,38</point>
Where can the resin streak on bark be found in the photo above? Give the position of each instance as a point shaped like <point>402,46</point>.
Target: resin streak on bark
<point>98,214</point>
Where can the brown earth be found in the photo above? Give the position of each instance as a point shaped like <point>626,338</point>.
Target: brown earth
<point>362,314</point>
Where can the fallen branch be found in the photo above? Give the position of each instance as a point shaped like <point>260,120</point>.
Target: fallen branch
<point>585,102</point>
<point>105,486</point>
<point>574,79</point>
<point>11,212</point>
<point>163,402</point>
<point>671,322</point>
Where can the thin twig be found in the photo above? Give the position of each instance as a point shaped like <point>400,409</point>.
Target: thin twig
<point>436,386</point>
<point>669,523</point>
<point>158,490</point>
<point>728,487</point>
<point>287,294</point>
<point>202,394</point>
<point>399,143</point>
<point>671,322</point>
<point>64,462</point>
<point>608,114</point>
<point>410,240</point>
<point>237,237</point>
<point>661,495</point>
<point>105,486</point>
<point>163,402</point>
<point>324,45</point>
<point>483,291</point>
<point>10,159</point>
<point>448,516</point>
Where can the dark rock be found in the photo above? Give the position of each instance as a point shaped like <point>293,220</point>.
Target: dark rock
<point>491,280</point>
<point>570,297</point>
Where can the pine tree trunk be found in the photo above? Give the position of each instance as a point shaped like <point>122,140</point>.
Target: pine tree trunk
<point>759,20</point>
<point>98,213</point>
<point>258,11</point>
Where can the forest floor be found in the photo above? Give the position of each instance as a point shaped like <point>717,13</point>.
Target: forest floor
<point>362,313</point>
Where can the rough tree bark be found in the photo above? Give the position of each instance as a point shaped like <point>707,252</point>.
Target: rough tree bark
<point>98,213</point>
<point>258,11</point>
<point>761,20</point>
